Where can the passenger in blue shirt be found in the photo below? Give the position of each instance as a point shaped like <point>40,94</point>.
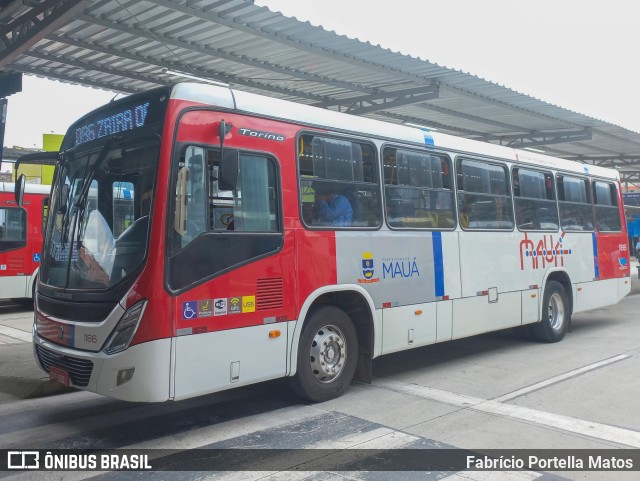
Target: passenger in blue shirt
<point>331,208</point>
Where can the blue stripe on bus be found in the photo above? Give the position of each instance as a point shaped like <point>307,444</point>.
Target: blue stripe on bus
<point>428,138</point>
<point>595,255</point>
<point>438,263</point>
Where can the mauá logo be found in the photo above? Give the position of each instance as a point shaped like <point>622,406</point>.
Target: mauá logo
<point>368,269</point>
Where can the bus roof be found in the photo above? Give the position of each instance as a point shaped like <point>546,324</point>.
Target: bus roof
<point>29,188</point>
<point>340,122</point>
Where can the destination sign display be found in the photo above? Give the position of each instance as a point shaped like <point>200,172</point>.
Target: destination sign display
<point>128,118</point>
<point>118,117</point>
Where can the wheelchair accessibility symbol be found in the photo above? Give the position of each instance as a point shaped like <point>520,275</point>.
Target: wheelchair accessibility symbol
<point>36,257</point>
<point>190,310</point>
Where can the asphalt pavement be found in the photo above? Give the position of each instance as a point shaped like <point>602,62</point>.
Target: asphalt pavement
<point>20,376</point>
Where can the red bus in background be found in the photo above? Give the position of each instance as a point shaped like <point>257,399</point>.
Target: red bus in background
<point>21,236</point>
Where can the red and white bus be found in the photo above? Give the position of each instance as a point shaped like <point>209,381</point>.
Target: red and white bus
<point>21,236</point>
<point>267,239</point>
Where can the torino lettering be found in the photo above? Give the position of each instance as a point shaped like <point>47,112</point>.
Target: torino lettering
<point>544,253</point>
<point>261,135</point>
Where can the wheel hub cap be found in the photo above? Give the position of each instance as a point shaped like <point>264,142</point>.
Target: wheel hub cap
<point>328,353</point>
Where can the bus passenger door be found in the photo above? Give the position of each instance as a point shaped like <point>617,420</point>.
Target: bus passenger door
<point>229,265</point>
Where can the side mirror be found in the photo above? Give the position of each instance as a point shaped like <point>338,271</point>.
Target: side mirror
<point>229,166</point>
<point>19,189</point>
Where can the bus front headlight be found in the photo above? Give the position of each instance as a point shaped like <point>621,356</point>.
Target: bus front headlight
<point>126,328</point>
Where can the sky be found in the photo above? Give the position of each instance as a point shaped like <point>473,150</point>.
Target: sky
<point>577,54</point>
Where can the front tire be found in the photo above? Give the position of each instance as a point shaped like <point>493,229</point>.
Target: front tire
<point>327,355</point>
<point>555,314</point>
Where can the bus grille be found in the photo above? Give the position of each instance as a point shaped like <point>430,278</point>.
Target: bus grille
<point>79,369</point>
<point>269,294</point>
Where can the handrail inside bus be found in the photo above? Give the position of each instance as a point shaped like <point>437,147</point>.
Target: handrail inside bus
<point>40,158</point>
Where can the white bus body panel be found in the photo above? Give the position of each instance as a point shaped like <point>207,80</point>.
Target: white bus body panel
<point>14,286</point>
<point>592,295</point>
<point>408,326</point>
<point>215,361</point>
<point>476,315</point>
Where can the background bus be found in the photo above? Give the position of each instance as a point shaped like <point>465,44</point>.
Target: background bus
<point>21,236</point>
<point>269,239</point>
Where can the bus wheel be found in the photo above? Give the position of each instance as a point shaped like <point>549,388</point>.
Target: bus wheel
<point>327,355</point>
<point>555,314</point>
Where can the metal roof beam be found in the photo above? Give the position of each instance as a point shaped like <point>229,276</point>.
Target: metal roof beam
<point>618,163</point>
<point>8,8</point>
<point>473,118</point>
<point>622,159</point>
<point>630,177</point>
<point>436,125</point>
<point>97,68</point>
<point>74,79</point>
<point>539,138</point>
<point>25,31</point>
<point>221,54</point>
<point>361,105</point>
<point>196,71</point>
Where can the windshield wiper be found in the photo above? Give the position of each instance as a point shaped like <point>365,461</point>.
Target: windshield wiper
<point>81,202</point>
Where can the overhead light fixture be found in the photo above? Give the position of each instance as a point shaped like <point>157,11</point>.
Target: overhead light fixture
<point>419,126</point>
<point>193,77</point>
<point>534,150</point>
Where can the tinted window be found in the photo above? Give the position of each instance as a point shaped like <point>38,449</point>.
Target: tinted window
<point>574,203</point>
<point>215,229</point>
<point>535,200</point>
<point>338,183</point>
<point>123,207</point>
<point>418,190</point>
<point>13,228</point>
<point>484,200</point>
<point>605,195</point>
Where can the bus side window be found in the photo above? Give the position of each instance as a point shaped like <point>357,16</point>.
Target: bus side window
<point>574,202</point>
<point>605,197</point>
<point>418,191</point>
<point>338,183</point>
<point>484,198</point>
<point>535,200</point>
<point>13,228</point>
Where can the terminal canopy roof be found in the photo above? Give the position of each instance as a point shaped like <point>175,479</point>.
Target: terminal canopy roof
<point>133,45</point>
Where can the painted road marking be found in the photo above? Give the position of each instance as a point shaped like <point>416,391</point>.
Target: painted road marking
<point>14,333</point>
<point>380,438</point>
<point>557,421</point>
<point>561,377</point>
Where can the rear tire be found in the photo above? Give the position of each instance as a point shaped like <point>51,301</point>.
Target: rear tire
<point>555,314</point>
<point>327,355</point>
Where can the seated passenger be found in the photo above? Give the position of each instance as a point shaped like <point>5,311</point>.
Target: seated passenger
<point>331,208</point>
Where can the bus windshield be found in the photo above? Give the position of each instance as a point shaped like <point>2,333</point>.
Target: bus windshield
<point>98,230</point>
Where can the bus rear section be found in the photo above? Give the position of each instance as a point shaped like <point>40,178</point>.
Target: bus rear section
<point>21,238</point>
